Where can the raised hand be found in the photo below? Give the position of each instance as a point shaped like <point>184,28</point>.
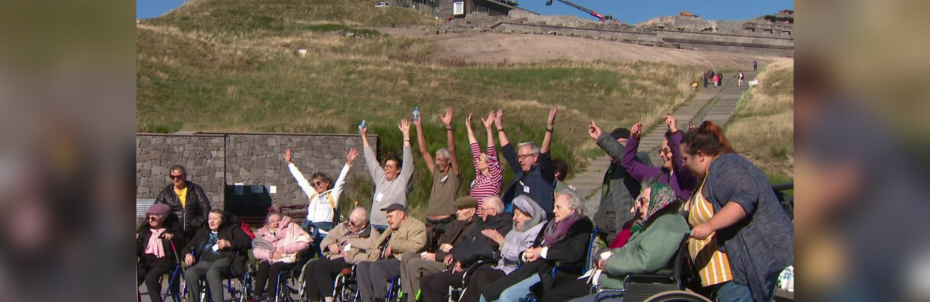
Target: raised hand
<point>637,130</point>
<point>363,130</point>
<point>690,125</point>
<point>594,131</point>
<point>447,117</point>
<point>351,155</point>
<point>552,113</point>
<point>489,121</point>
<point>498,119</point>
<point>404,127</point>
<point>672,123</point>
<point>468,120</point>
<point>287,155</point>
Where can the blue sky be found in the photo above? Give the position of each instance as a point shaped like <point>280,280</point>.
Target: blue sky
<point>629,11</point>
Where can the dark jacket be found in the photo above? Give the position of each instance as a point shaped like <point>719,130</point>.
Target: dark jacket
<point>540,181</point>
<point>760,245</point>
<point>618,190</point>
<point>196,210</point>
<point>173,227</point>
<point>569,254</point>
<point>476,246</point>
<point>229,230</point>
<point>456,234</point>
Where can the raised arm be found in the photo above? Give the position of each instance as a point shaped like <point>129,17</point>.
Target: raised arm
<point>471,133</point>
<point>487,128</point>
<point>547,140</point>
<point>636,169</point>
<point>377,174</point>
<point>341,181</point>
<point>509,153</point>
<point>421,142</point>
<point>613,148</point>
<point>450,137</point>
<point>407,170</point>
<point>298,176</point>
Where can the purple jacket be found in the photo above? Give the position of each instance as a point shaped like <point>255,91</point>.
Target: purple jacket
<point>682,181</point>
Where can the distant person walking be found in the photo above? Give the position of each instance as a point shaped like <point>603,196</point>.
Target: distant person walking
<point>715,80</point>
<point>741,78</point>
<point>755,65</point>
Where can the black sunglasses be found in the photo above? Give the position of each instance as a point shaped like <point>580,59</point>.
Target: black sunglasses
<point>176,176</point>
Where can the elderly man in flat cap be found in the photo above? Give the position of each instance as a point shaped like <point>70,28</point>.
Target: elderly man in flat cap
<point>404,238</point>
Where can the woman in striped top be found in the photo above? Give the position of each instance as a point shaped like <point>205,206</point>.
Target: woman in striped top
<point>741,238</point>
<point>488,177</point>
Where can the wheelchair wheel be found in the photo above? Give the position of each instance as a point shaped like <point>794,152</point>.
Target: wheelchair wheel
<point>348,292</point>
<point>677,295</point>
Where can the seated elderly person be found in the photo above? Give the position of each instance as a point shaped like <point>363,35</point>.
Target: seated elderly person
<point>276,246</point>
<point>348,243</point>
<point>214,249</point>
<point>652,246</point>
<point>156,242</point>
<point>476,246</point>
<point>466,223</point>
<point>405,237</point>
<point>563,242</point>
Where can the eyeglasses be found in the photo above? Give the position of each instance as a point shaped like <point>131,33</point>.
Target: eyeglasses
<point>176,176</point>
<point>666,150</point>
<point>525,156</point>
<point>153,218</point>
<point>318,183</point>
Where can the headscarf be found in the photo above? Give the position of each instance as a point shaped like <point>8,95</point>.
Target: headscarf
<point>660,196</point>
<point>530,207</point>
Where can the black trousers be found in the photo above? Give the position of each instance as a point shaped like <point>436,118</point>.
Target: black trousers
<point>493,291</point>
<point>567,291</point>
<point>435,287</point>
<point>270,271</point>
<point>480,279</point>
<point>151,271</point>
<point>320,275</point>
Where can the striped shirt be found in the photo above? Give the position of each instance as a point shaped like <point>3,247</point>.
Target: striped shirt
<point>713,265</point>
<point>485,186</point>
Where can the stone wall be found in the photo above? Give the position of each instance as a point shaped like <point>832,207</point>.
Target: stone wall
<point>218,160</point>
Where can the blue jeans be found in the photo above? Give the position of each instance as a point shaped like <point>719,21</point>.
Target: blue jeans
<point>732,292</point>
<point>380,227</point>
<point>519,292</point>
<point>314,229</point>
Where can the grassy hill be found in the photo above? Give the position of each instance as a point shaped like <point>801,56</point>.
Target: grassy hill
<point>216,65</point>
<point>771,103</point>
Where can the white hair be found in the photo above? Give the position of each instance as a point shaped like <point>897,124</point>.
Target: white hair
<point>360,213</point>
<point>494,202</point>
<point>534,149</point>
<point>574,201</point>
<point>444,152</point>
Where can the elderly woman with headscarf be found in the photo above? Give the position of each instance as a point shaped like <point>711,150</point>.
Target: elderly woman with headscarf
<point>286,240</point>
<point>528,220</point>
<point>655,241</point>
<point>561,243</point>
<point>157,242</point>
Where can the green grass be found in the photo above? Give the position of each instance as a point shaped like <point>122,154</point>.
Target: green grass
<point>771,103</point>
<point>234,69</point>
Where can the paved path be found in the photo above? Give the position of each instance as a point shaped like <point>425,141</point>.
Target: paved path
<point>715,104</point>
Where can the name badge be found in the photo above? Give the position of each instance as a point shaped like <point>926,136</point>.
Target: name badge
<point>443,180</point>
<point>526,189</point>
<point>378,197</point>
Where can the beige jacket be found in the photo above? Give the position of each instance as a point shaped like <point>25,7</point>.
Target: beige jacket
<point>362,246</point>
<point>409,238</point>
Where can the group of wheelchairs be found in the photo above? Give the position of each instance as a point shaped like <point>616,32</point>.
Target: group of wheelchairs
<point>664,285</point>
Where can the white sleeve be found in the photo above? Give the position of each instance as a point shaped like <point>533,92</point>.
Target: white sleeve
<point>377,174</point>
<point>543,252</point>
<point>301,181</point>
<point>340,184</point>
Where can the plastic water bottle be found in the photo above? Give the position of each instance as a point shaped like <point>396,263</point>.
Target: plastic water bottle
<point>361,125</point>
<point>416,114</point>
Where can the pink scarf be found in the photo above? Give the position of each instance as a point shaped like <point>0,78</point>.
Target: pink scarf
<point>155,247</point>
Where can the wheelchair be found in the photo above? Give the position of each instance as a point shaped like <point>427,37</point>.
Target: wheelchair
<point>663,285</point>
<point>345,286</point>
